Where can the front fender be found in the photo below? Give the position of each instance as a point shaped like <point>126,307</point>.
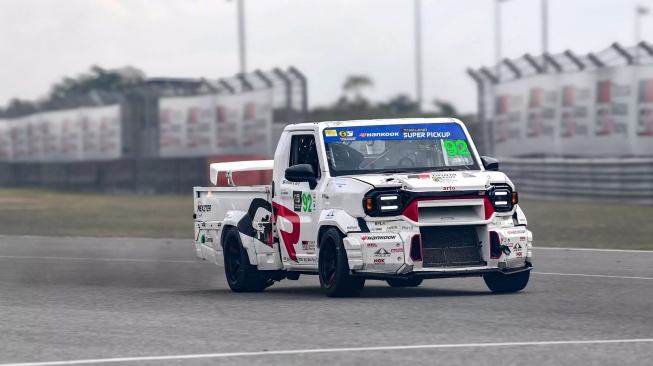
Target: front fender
<point>340,219</point>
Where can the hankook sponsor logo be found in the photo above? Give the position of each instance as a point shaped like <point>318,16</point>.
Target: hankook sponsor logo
<point>379,237</point>
<point>379,134</point>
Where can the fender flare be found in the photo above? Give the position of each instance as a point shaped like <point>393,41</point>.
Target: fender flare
<point>231,221</point>
<point>341,220</point>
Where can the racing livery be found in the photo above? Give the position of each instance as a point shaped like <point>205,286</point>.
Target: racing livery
<point>394,200</point>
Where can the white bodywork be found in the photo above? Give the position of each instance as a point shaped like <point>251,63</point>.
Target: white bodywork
<point>280,236</point>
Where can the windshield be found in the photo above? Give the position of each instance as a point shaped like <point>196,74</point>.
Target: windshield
<point>398,149</point>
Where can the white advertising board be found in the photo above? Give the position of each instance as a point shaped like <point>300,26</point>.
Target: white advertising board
<point>18,133</point>
<point>643,131</point>
<point>5,140</point>
<point>104,135</point>
<point>614,111</point>
<point>239,124</point>
<point>510,118</point>
<point>541,115</point>
<point>244,124</point>
<point>186,126</point>
<point>576,112</point>
<point>92,133</point>
<point>602,113</point>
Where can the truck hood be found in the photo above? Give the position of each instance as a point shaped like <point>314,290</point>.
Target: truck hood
<point>436,181</point>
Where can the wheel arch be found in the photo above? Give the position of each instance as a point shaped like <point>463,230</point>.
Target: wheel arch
<point>323,229</point>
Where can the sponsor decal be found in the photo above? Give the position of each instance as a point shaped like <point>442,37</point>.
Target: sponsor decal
<point>379,134</point>
<point>519,254</point>
<point>308,245</point>
<point>284,191</point>
<point>397,132</point>
<point>397,250</point>
<point>517,247</point>
<point>353,228</point>
<point>202,208</point>
<point>448,188</point>
<point>522,238</point>
<point>297,201</point>
<point>406,227</point>
<point>379,261</point>
<point>289,182</point>
<point>303,202</point>
<point>517,232</point>
<point>307,260</point>
<point>427,135</point>
<point>371,245</point>
<point>444,177</point>
<point>379,237</point>
<point>330,214</point>
<point>392,227</point>
<point>382,253</point>
<point>376,229</point>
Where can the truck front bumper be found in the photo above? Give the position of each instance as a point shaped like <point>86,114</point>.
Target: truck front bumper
<point>452,273</point>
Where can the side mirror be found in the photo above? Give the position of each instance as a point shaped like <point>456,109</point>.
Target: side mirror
<point>301,173</point>
<point>490,163</point>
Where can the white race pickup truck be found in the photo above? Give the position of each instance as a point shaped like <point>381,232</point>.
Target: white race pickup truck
<point>395,200</point>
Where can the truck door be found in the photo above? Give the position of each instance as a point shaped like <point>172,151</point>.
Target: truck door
<point>297,206</point>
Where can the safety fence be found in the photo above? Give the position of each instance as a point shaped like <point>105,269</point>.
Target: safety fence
<point>609,180</point>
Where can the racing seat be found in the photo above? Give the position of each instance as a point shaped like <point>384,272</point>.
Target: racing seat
<point>346,157</point>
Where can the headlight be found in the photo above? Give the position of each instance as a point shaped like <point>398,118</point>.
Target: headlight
<point>503,198</point>
<point>379,204</point>
<point>388,202</point>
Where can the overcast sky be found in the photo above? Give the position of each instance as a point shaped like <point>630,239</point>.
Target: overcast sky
<point>43,40</point>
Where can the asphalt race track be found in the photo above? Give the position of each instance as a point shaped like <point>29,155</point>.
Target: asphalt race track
<point>146,301</point>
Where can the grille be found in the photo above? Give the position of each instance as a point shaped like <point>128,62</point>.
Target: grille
<point>450,246</point>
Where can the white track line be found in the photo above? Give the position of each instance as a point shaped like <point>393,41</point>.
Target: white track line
<point>595,250</point>
<point>324,350</point>
<point>590,275</point>
<point>101,259</point>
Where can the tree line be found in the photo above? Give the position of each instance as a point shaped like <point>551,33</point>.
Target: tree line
<point>351,104</point>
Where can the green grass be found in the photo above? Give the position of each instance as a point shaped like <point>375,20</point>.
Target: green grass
<point>38,212</point>
<point>589,225</point>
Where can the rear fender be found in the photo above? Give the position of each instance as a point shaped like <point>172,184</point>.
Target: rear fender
<point>231,220</point>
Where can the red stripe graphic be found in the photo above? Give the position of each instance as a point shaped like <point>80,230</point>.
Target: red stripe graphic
<point>292,238</point>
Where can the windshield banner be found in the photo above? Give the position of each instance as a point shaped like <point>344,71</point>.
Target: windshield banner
<point>434,131</point>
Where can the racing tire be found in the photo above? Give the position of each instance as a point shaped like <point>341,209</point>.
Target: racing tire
<point>507,283</point>
<point>333,268</point>
<point>241,275</point>
<point>404,282</point>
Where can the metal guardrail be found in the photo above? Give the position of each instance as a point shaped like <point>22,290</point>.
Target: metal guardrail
<point>608,180</point>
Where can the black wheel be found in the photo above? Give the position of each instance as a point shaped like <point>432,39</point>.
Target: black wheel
<point>507,283</point>
<point>404,282</point>
<point>241,275</point>
<point>333,268</point>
